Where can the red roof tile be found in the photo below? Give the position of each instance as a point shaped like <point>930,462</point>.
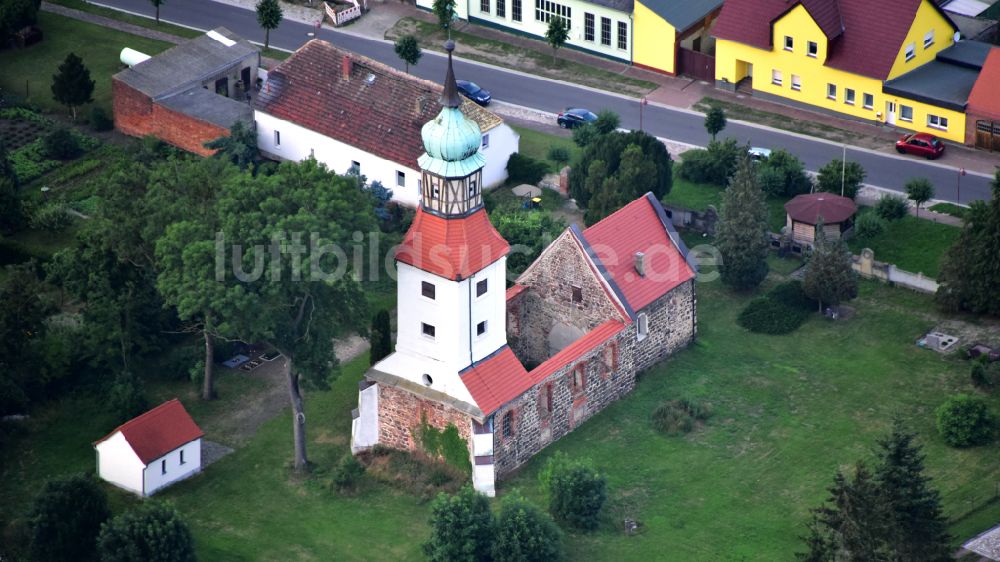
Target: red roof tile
<point>638,227</point>
<point>378,109</point>
<point>984,100</point>
<point>453,248</point>
<point>515,290</point>
<point>809,207</point>
<point>872,36</point>
<point>158,431</point>
<point>496,380</point>
<point>572,352</point>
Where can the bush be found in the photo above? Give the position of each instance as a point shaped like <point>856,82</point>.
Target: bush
<point>981,375</point>
<point>783,175</point>
<point>525,169</point>
<point>891,208</point>
<point>126,399</point>
<point>576,492</point>
<point>585,134</point>
<point>100,120</point>
<point>347,475</point>
<point>525,534</point>
<point>713,165</point>
<point>836,176</point>
<point>790,294</point>
<point>559,155</point>
<point>869,226</point>
<point>771,181</point>
<point>764,315</point>
<point>461,528</point>
<point>677,417</point>
<point>607,121</point>
<point>66,517</point>
<point>964,421</point>
<point>13,400</point>
<point>153,532</point>
<point>51,217</point>
<point>61,144</point>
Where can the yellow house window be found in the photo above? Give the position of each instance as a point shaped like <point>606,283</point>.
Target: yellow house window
<point>813,49</point>
<point>848,96</point>
<point>911,51</point>
<point>906,113</point>
<point>831,91</point>
<point>776,77</point>
<point>796,82</point>
<point>937,122</point>
<point>929,38</point>
<point>869,101</point>
<point>789,43</point>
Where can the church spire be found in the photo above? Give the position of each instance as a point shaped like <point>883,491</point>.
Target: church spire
<point>450,97</point>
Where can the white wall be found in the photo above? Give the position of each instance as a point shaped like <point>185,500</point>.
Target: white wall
<point>503,141</point>
<point>118,464</point>
<point>297,143</point>
<point>455,312</point>
<point>156,479</point>
<point>364,429</point>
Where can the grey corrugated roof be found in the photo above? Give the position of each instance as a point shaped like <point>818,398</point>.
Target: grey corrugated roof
<point>209,107</point>
<point>177,68</point>
<point>937,83</point>
<point>682,14</point>
<point>620,5</point>
<point>971,54</point>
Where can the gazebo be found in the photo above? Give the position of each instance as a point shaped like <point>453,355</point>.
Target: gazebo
<point>804,211</point>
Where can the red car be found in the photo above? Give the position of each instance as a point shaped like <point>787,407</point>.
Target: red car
<point>921,144</point>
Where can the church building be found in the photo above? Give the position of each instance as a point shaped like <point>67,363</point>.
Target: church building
<point>514,369</point>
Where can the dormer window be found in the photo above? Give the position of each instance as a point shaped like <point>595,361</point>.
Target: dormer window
<point>789,43</point>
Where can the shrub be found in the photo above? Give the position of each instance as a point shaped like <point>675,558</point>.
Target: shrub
<point>13,400</point>
<point>585,134</point>
<point>771,181</point>
<point>525,534</point>
<point>891,208</point>
<point>713,165</point>
<point>66,517</point>
<point>525,169</point>
<point>783,174</point>
<point>981,375</point>
<point>559,155</point>
<point>51,217</point>
<point>869,226</point>
<point>153,532</point>
<point>576,492</point>
<point>100,120</point>
<point>790,294</point>
<point>347,474</point>
<point>764,315</point>
<point>461,528</point>
<point>607,121</point>
<point>61,144</point>
<point>964,421</point>
<point>126,399</point>
<point>677,417</point>
<point>836,176</point>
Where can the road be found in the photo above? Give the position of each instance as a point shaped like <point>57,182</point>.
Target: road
<point>884,170</point>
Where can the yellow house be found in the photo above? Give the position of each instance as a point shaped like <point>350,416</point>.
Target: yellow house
<point>667,31</point>
<point>838,56</point>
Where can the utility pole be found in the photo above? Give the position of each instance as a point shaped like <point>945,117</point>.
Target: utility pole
<point>843,171</point>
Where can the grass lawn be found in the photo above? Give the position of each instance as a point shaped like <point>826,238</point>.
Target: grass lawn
<point>950,209</point>
<point>912,244</point>
<point>536,144</point>
<point>99,47</point>
<point>132,19</point>
<point>698,196</point>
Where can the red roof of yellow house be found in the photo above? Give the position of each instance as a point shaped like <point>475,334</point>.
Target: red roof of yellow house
<point>984,100</point>
<point>453,248</point>
<point>158,431</point>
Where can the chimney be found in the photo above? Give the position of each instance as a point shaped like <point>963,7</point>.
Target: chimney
<point>345,68</point>
<point>640,264</point>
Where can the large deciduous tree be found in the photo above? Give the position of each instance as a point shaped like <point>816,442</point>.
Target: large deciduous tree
<point>742,230</point>
<point>636,176</point>
<point>610,149</point>
<point>238,147</point>
<point>408,50</point>
<point>153,532</point>
<point>66,517</point>
<point>829,277</point>
<point>269,15</point>
<point>72,85</point>
<point>840,178</point>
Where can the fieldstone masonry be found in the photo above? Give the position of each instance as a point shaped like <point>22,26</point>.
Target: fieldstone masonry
<point>401,412</point>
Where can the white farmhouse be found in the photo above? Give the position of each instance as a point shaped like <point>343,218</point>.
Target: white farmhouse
<point>151,451</point>
<point>349,111</point>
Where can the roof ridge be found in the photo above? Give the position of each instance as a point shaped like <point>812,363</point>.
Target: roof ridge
<point>148,413</point>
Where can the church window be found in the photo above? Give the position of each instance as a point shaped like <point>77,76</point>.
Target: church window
<point>577,294</point>
<point>609,362</point>
<point>428,289</point>
<point>579,378</point>
<point>508,424</point>
<point>545,399</point>
<point>427,329</point>
<point>643,327</point>
<point>481,287</point>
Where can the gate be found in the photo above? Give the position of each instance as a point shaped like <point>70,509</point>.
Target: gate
<point>695,64</point>
<point>988,135</point>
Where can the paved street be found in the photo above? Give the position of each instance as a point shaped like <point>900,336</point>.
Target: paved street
<point>884,170</point>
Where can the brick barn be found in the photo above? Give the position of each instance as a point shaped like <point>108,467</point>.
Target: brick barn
<point>514,369</point>
<point>189,94</point>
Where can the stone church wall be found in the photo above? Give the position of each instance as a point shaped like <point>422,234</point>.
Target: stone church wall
<point>400,414</point>
<point>672,325</point>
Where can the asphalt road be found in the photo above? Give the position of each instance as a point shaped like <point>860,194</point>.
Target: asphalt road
<point>884,170</point>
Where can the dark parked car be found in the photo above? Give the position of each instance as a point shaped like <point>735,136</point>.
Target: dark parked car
<point>472,91</point>
<point>574,117</point>
<point>921,144</point>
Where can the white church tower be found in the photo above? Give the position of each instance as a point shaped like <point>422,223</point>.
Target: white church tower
<point>451,285</point>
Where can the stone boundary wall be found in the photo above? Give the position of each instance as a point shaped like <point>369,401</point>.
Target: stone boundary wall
<point>869,268</point>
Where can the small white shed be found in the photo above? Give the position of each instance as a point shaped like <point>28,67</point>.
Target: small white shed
<point>151,451</point>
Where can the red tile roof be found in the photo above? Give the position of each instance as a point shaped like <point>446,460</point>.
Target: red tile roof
<point>984,100</point>
<point>453,248</point>
<point>639,227</point>
<point>872,36</point>
<point>515,290</point>
<point>572,352</point>
<point>378,109</point>
<point>809,207</point>
<point>496,380</point>
<point>158,431</point>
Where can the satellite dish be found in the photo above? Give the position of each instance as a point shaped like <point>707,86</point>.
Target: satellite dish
<point>958,36</point>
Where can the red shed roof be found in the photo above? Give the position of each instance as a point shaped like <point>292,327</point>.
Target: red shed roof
<point>640,226</point>
<point>496,380</point>
<point>158,431</point>
<point>984,100</point>
<point>870,36</point>
<point>453,248</point>
<point>809,207</point>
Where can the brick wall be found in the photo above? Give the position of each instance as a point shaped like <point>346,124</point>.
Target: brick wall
<point>137,115</point>
<point>400,413</point>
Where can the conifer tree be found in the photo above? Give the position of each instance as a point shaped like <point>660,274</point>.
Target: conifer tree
<point>970,278</point>
<point>851,525</point>
<point>381,337</point>
<point>742,233</point>
<point>72,85</point>
<point>829,277</point>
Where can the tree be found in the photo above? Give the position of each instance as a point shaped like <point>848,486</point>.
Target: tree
<point>153,532</point>
<point>836,177</point>
<point>7,170</point>
<point>461,528</point>
<point>408,50</point>
<point>525,534</point>
<point>714,164</point>
<point>238,147</point>
<point>304,294</point>
<point>381,337</point>
<point>11,212</point>
<point>157,4</point>
<point>783,175</point>
<point>576,492</point>
<point>829,277</point>
<point>920,191</point>
<point>72,85</point>
<point>918,530</point>
<point>607,121</point>
<point>969,278</point>
<point>269,15</point>
<point>527,233</point>
<point>851,524</point>
<point>635,176</point>
<point>715,120</point>
<point>23,327</point>
<point>609,149</point>
<point>15,15</point>
<point>965,421</point>
<point>445,12</point>
<point>126,399</point>
<point>557,33</point>
<point>66,517</point>
<point>742,230</point>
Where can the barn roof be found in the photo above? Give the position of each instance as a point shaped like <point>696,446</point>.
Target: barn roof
<point>158,431</point>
